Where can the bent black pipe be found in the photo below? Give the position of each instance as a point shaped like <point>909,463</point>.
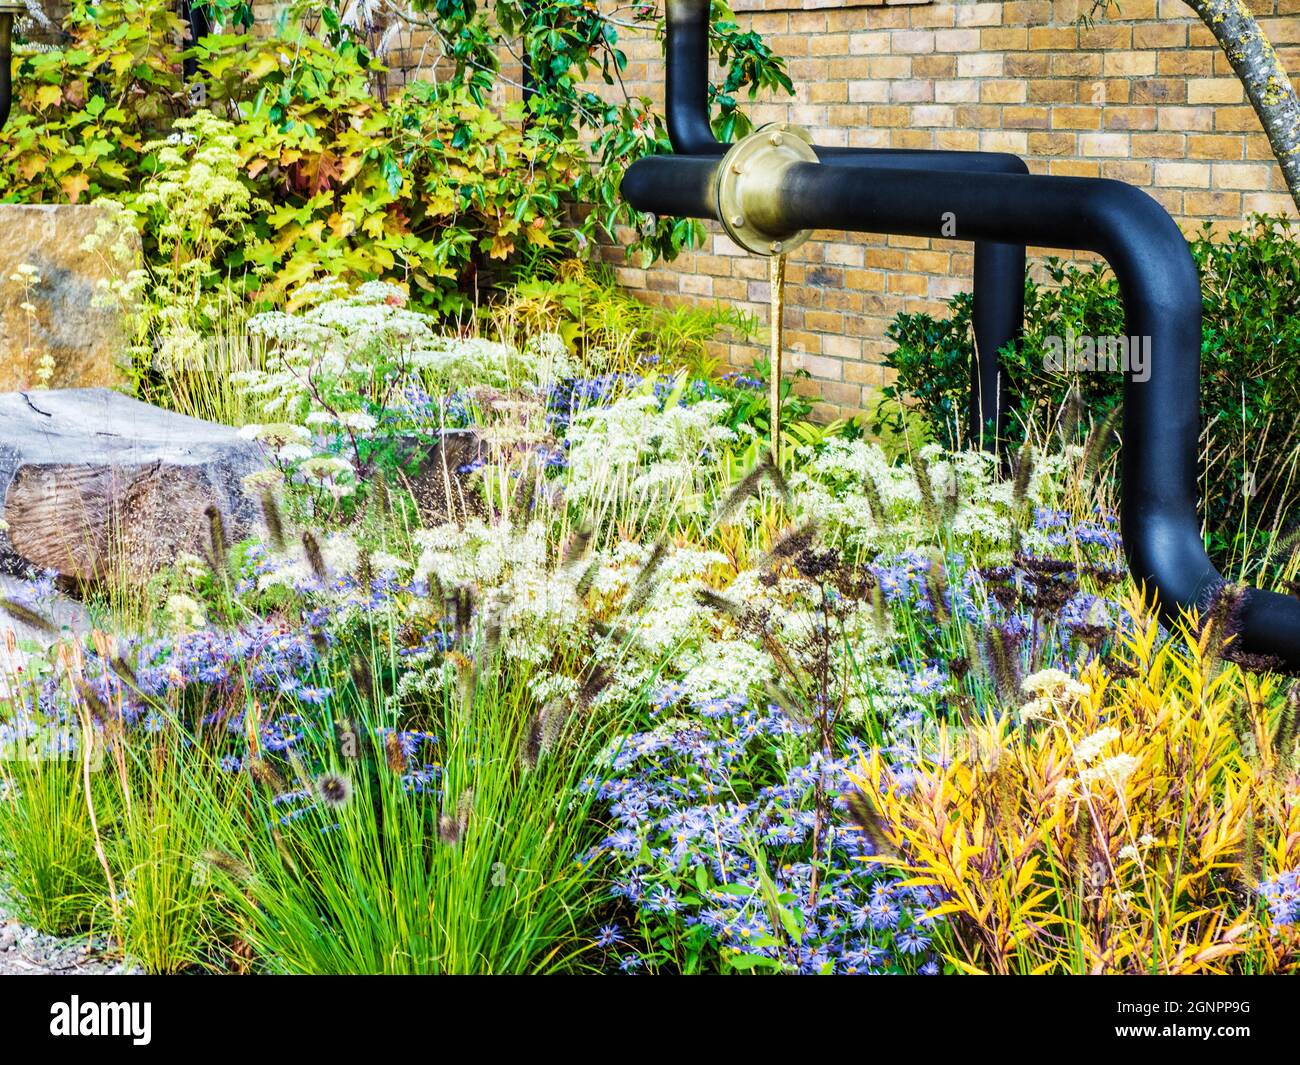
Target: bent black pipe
<point>6,65</point>
<point>1162,301</point>
<point>999,280</point>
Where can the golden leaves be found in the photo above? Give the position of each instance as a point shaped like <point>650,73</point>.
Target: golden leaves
<point>1043,866</point>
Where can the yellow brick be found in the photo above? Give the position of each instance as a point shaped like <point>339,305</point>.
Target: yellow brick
<point>979,66</point>
<point>1053,38</point>
<point>1074,168</point>
<point>889,116</point>
<point>869,92</point>
<point>1027,65</point>
<point>1027,12</point>
<point>829,43</point>
<point>1198,64</point>
<point>1212,204</point>
<point>869,44</point>
<point>1159,145</point>
<point>957,92</point>
<point>1269,203</point>
<point>865,280</point>
<point>1013,141</point>
<point>885,258</point>
<point>932,115</point>
<point>1217,146</point>
<point>927,262</point>
<point>980,117</point>
<point>1025,117</point>
<point>807,22</point>
<point>1076,117</point>
<point>908,284</point>
<point>934,67</point>
<point>1113,145</point>
<point>1004,39</point>
<point>1133,10</point>
<point>1183,175</point>
<point>1187,119</point>
<point>1160,35</point>
<point>1129,118</point>
<point>911,91</point>
<point>1129,64</point>
<point>957,140</point>
<point>1127,170</point>
<point>1003,92</point>
<point>979,15</point>
<point>844,254</point>
<point>1235,120</point>
<point>1105,37</point>
<point>1159,91</point>
<point>1076,65</point>
<point>934,16</point>
<point>829,92</point>
<point>1170,199</point>
<point>1257,147</point>
<point>1052,143</point>
<point>1214,91</point>
<point>910,42</point>
<point>957,40</point>
<point>1246,176</point>
<point>1053,91</point>
<point>889,66</point>
<point>911,138</point>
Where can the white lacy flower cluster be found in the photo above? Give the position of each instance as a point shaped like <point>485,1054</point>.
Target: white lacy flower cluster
<point>197,187</point>
<point>835,488</point>
<point>339,552</point>
<point>631,458</point>
<point>509,570</point>
<point>355,342</point>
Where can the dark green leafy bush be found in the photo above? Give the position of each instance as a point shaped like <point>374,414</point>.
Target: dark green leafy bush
<point>1250,370</point>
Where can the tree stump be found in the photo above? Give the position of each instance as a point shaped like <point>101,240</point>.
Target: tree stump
<point>97,485</point>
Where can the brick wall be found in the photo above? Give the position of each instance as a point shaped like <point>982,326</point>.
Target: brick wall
<point>1144,95</point>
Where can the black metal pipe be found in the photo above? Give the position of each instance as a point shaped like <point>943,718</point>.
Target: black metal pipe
<point>6,65</point>
<point>196,16</point>
<point>686,31</point>
<point>999,268</point>
<point>1162,302</point>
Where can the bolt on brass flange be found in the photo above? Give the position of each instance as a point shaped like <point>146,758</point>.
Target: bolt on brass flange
<point>748,183</point>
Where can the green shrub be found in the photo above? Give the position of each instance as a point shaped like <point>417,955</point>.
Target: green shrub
<point>1250,372</point>
<point>430,183</point>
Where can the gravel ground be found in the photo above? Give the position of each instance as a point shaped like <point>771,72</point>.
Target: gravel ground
<point>26,952</point>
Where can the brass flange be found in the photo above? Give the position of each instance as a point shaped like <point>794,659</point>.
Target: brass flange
<point>749,181</point>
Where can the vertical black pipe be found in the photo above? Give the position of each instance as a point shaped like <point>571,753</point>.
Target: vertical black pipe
<point>6,65</point>
<point>196,15</point>
<point>998,312</point>
<point>687,77</point>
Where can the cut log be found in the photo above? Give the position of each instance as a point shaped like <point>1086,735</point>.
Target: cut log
<point>440,486</point>
<point>96,484</point>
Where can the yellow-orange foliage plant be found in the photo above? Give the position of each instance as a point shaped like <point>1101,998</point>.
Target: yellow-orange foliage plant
<point>1110,823</point>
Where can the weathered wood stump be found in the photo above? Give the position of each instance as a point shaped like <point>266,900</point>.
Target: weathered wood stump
<point>95,483</point>
<point>440,485</point>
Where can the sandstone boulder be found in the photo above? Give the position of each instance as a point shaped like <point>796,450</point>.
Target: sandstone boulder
<point>64,319</point>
